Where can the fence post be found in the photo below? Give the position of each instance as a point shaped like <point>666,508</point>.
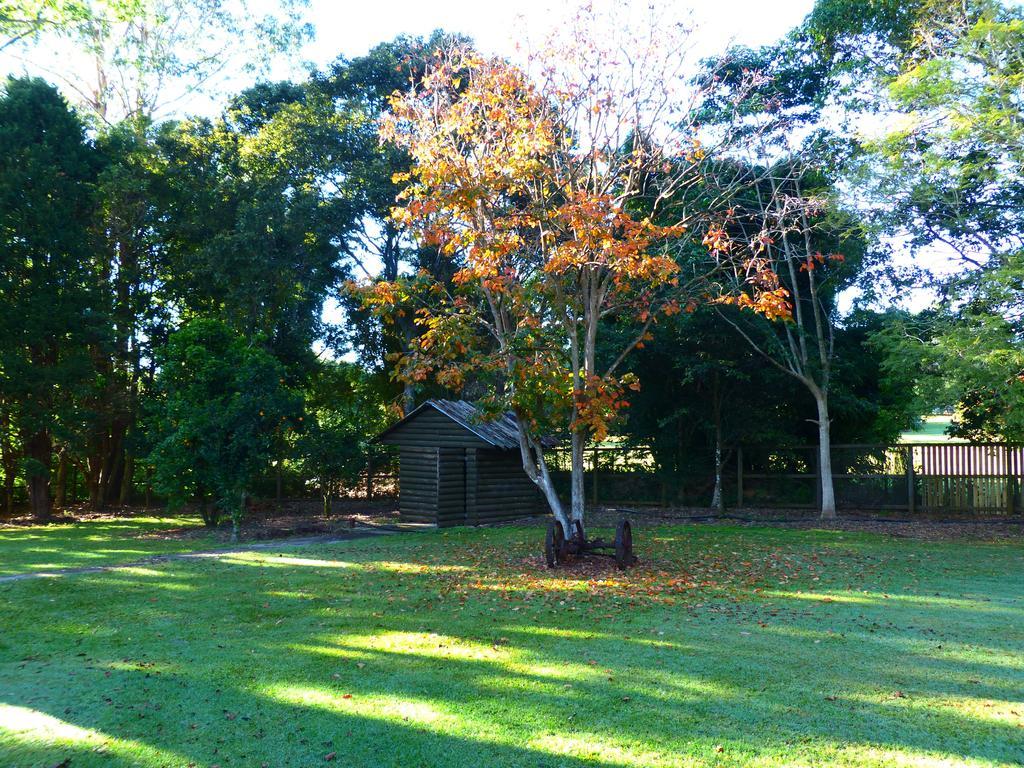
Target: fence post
<point>369,479</point>
<point>911,492</point>
<point>739,476</point>
<point>593,479</point>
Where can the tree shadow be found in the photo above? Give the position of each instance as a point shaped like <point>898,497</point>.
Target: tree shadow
<point>403,654</point>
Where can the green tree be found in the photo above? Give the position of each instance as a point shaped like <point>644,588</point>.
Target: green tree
<point>24,21</point>
<point>380,247</point>
<point>346,407</point>
<point>697,401</point>
<point>786,200</point>
<point>134,59</point>
<point>49,307</point>
<point>224,407</point>
<point>131,203</point>
<point>945,171</point>
<point>253,217</point>
<point>703,393</point>
<point>968,355</point>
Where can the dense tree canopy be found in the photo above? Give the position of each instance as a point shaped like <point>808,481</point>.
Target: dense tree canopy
<point>51,314</point>
<point>530,238</point>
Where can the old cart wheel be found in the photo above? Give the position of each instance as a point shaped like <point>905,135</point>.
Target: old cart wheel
<point>624,544</point>
<point>554,544</point>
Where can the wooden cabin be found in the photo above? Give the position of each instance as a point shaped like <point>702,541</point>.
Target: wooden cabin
<point>457,469</point>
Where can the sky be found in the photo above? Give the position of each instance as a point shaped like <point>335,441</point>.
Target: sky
<point>351,27</point>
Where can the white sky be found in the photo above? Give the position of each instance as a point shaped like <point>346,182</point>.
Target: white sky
<point>351,27</point>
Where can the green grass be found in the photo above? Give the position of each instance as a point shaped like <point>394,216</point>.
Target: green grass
<point>726,647</point>
<point>110,541</point>
<point>933,430</point>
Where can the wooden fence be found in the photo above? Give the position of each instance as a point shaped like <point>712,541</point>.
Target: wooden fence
<point>948,478</point>
<point>932,478</point>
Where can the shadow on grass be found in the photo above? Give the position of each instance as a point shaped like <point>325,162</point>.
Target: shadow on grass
<point>411,654</point>
<point>99,542</point>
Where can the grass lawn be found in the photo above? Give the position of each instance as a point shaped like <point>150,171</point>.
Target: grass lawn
<point>112,541</point>
<point>933,430</point>
<point>726,647</point>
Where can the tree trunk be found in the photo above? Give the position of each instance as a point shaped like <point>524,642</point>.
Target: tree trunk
<point>236,518</point>
<point>8,493</point>
<point>828,496</point>
<point>39,449</point>
<point>92,472</point>
<point>113,467</point>
<point>124,498</point>
<point>9,461</point>
<point>717,499</point>
<point>578,505</point>
<point>60,491</point>
<point>537,470</point>
<point>327,502</point>
<point>278,485</point>
<point>547,487</point>
<point>408,398</point>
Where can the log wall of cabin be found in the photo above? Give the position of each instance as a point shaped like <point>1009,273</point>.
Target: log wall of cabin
<point>417,483</point>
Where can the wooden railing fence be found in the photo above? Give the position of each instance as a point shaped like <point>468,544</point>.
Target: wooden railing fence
<point>943,478</point>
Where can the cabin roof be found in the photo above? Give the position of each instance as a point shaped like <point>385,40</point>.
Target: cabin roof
<point>502,432</point>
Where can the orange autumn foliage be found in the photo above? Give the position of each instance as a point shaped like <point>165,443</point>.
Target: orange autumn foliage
<point>543,222</point>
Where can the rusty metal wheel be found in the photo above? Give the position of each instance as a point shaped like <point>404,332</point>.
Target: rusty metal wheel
<point>624,544</point>
<point>554,544</point>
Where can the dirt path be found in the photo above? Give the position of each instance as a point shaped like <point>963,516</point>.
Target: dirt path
<point>305,541</point>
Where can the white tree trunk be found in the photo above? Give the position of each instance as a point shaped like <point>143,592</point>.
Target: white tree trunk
<point>536,469</point>
<point>554,503</point>
<point>716,496</point>
<point>578,498</point>
<point>828,496</point>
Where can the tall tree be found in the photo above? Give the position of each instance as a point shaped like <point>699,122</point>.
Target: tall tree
<point>554,194</point>
<point>131,204</point>
<point>787,205</point>
<point>50,312</point>
<point>944,170</point>
<point>814,247</point>
<point>137,60</point>
<point>380,247</point>
<point>253,218</point>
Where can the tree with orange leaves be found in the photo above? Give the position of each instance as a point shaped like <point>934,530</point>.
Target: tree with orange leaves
<point>561,196</point>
